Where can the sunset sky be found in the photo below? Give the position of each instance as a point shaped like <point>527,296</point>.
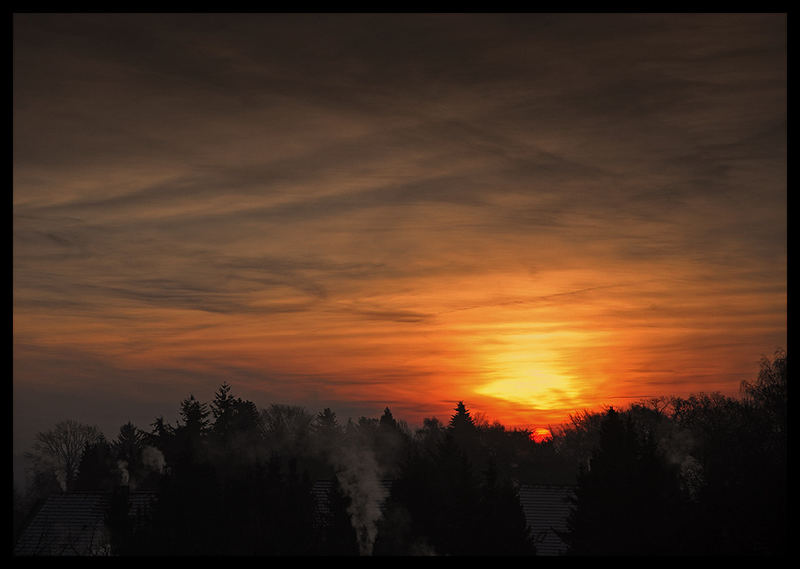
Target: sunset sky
<point>532,213</point>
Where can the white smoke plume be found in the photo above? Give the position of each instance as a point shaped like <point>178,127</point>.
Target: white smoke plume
<point>677,448</point>
<point>61,478</point>
<point>153,459</point>
<point>124,475</point>
<point>359,477</point>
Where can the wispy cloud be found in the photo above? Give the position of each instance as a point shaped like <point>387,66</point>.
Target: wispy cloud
<point>366,206</point>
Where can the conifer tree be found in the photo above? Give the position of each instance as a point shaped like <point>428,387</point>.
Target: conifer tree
<point>222,409</point>
<point>461,420</point>
<point>128,449</point>
<point>97,470</point>
<point>190,434</point>
<point>627,500</point>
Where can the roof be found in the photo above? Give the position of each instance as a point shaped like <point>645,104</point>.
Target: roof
<point>73,523</point>
<point>546,509</point>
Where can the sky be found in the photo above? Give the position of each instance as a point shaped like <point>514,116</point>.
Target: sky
<point>535,214</point>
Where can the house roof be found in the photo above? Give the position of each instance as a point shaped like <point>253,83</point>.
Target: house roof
<point>546,509</point>
<point>73,523</point>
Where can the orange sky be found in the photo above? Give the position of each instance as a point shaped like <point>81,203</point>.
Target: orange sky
<point>534,214</point>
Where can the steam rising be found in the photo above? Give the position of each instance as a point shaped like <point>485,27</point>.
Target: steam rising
<point>677,448</point>
<point>124,475</point>
<point>153,459</point>
<point>358,474</point>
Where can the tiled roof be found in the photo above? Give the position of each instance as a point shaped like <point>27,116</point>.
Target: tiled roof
<point>73,523</point>
<point>546,508</point>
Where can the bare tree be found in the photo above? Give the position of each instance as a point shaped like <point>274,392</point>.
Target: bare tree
<point>59,450</point>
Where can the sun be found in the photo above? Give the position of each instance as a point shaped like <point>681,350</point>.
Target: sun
<point>541,434</point>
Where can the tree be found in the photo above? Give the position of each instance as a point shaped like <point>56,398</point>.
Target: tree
<point>390,441</point>
<point>222,408</point>
<point>461,421</point>
<point>326,425</point>
<point>195,416</point>
<point>740,503</point>
<point>337,535</point>
<point>466,436</point>
<point>628,501</point>
<point>769,393</point>
<point>236,429</point>
<point>327,434</point>
<point>577,440</point>
<point>286,427</point>
<point>128,450</point>
<point>161,431</point>
<point>439,493</point>
<point>60,449</point>
<point>766,407</point>
<point>190,434</point>
<point>98,469</point>
<point>430,435</point>
<point>387,420</point>
<point>502,528</point>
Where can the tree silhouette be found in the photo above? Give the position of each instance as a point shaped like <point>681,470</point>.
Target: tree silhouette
<point>502,528</point>
<point>461,421</point>
<point>428,438</point>
<point>768,395</point>
<point>236,433</point>
<point>741,450</point>
<point>440,493</point>
<point>128,451</point>
<point>98,470</point>
<point>326,429</point>
<point>390,441</point>
<point>222,408</point>
<point>627,501</point>
<point>766,405</point>
<point>60,450</point>
<point>704,474</point>
<point>189,435</point>
<point>194,415</point>
<point>286,428</point>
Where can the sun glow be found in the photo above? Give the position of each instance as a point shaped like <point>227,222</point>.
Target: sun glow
<point>532,386</point>
<point>532,369</point>
<point>540,434</point>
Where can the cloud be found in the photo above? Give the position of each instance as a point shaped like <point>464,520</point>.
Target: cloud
<point>408,203</point>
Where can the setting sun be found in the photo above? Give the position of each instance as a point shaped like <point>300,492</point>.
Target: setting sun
<point>540,434</point>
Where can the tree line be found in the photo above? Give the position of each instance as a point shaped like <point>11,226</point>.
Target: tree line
<point>704,474</point>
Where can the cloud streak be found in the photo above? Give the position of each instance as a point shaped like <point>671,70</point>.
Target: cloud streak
<point>560,207</point>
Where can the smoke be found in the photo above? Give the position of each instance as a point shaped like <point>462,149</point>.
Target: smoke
<point>124,475</point>
<point>61,477</point>
<point>358,474</point>
<point>153,459</point>
<point>677,447</point>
